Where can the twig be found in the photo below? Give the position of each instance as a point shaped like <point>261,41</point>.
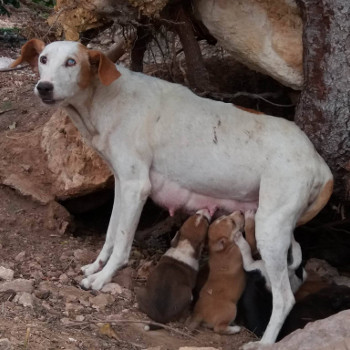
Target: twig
<point>150,323</point>
<point>7,110</point>
<point>15,68</point>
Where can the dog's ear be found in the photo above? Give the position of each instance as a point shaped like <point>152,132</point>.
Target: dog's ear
<point>175,241</point>
<point>219,245</point>
<point>30,53</point>
<point>106,69</point>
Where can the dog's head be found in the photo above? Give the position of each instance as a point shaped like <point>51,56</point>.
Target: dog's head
<point>193,232</point>
<point>223,229</point>
<point>65,68</point>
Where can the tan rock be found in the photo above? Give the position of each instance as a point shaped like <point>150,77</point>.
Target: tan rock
<point>265,35</point>
<point>76,166</point>
<point>18,285</point>
<point>6,274</point>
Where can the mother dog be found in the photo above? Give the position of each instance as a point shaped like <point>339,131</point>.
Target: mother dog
<point>185,152</point>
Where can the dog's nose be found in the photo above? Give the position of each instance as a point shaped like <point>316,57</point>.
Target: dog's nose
<point>44,87</point>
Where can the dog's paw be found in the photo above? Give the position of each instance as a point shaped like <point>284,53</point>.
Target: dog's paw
<point>95,281</point>
<point>89,269</point>
<point>253,345</point>
<point>249,214</point>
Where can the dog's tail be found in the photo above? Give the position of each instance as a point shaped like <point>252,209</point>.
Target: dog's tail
<point>318,204</point>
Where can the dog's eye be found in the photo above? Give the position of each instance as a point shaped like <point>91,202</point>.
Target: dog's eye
<point>43,59</point>
<point>70,62</point>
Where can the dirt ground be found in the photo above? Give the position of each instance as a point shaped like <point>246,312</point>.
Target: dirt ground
<point>49,310</point>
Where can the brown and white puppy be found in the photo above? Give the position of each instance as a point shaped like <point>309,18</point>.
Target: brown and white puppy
<point>216,306</point>
<point>168,291</point>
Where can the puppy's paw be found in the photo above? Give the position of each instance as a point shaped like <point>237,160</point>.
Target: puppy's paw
<point>238,237</point>
<point>249,214</point>
<point>233,329</point>
<point>95,281</point>
<point>90,269</point>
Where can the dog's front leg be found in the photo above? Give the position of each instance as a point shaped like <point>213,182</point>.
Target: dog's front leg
<point>107,249</point>
<point>133,195</point>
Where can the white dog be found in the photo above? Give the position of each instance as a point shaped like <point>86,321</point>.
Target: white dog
<point>185,152</point>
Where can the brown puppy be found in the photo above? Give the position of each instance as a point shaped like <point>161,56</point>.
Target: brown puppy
<point>216,306</point>
<point>168,291</point>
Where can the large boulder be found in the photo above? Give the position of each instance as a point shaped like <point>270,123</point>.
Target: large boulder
<point>266,35</point>
<point>76,168</point>
<point>332,333</point>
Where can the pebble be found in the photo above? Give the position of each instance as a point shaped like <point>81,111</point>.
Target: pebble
<point>18,285</point>
<point>80,318</point>
<point>101,301</point>
<point>5,344</point>
<point>113,288</point>
<point>6,274</point>
<point>25,299</point>
<point>20,257</point>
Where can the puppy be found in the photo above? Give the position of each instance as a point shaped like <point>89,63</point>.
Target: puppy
<point>168,291</point>
<point>216,306</point>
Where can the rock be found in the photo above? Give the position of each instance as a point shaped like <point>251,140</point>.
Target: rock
<point>25,299</point>
<point>58,218</point>
<point>327,334</point>
<point>322,268</point>
<point>6,274</point>
<point>76,166</point>
<point>80,318</point>
<point>264,35</point>
<point>112,288</point>
<point>18,285</point>
<point>63,278</point>
<point>100,301</point>
<point>84,256</point>
<point>27,188</point>
<point>20,257</point>
<point>42,294</point>
<point>5,344</point>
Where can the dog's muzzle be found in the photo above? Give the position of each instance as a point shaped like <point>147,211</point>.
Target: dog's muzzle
<point>45,90</point>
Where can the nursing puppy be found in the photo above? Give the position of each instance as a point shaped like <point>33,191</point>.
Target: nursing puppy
<point>168,291</point>
<point>216,306</point>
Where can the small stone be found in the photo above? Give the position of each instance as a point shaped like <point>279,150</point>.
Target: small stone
<point>6,274</point>
<point>25,299</point>
<point>5,344</point>
<point>80,318</point>
<point>64,278</point>
<point>101,301</point>
<point>66,320</point>
<point>20,257</point>
<point>42,294</point>
<point>112,288</point>
<point>18,285</point>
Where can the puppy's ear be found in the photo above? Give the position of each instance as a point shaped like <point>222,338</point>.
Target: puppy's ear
<point>30,53</point>
<point>219,245</point>
<point>106,69</point>
<point>175,241</point>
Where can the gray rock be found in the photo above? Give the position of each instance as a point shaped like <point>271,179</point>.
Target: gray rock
<point>328,334</point>
<point>18,285</point>
<point>6,274</point>
<point>20,256</point>
<point>5,344</point>
<point>25,299</point>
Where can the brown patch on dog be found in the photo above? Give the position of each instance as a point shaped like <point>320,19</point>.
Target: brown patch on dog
<point>85,67</point>
<point>107,71</point>
<point>248,110</point>
<point>318,204</point>
<point>226,281</point>
<point>30,52</point>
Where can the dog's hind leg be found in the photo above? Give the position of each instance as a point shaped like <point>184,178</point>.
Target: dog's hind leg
<point>110,237</point>
<point>276,218</point>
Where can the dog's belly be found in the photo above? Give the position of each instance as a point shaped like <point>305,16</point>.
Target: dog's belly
<point>172,196</point>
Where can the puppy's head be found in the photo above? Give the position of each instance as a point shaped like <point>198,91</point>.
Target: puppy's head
<point>223,229</point>
<point>194,232</point>
<point>65,68</point>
